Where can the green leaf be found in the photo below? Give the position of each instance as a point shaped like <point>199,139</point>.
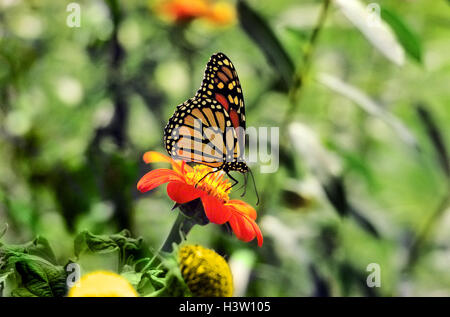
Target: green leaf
<point>299,33</point>
<point>39,247</point>
<point>133,277</point>
<point>22,292</point>
<point>410,42</point>
<point>436,137</point>
<point>94,243</point>
<point>327,168</point>
<point>164,281</point>
<point>127,246</point>
<point>380,36</point>
<point>105,244</point>
<point>38,277</point>
<point>145,286</point>
<point>260,32</point>
<point>354,162</point>
<point>323,163</point>
<point>124,240</point>
<point>7,283</point>
<point>370,106</point>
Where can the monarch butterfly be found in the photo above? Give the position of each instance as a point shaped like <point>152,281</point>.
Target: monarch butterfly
<point>209,128</point>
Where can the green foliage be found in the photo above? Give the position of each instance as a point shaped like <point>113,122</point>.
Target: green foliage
<point>35,270</point>
<point>371,107</point>
<point>260,32</point>
<point>406,37</point>
<point>30,270</point>
<point>122,242</point>
<point>149,276</point>
<point>79,107</point>
<point>38,277</point>
<point>436,138</point>
<point>374,29</point>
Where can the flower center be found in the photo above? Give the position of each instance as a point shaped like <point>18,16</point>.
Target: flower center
<point>213,183</point>
<point>205,272</point>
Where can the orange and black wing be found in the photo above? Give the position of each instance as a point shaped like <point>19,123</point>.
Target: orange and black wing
<point>221,82</point>
<point>196,133</point>
<point>204,129</point>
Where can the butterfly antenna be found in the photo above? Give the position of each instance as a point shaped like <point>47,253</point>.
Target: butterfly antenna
<point>254,185</point>
<point>245,185</point>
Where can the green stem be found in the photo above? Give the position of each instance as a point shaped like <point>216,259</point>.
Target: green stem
<point>419,243</point>
<point>297,87</point>
<point>121,259</point>
<point>303,70</point>
<point>179,231</point>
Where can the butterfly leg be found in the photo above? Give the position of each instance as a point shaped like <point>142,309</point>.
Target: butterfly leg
<point>233,179</point>
<point>243,186</point>
<point>213,171</point>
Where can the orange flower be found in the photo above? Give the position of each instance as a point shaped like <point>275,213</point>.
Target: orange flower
<point>186,183</point>
<point>183,10</point>
<point>220,13</point>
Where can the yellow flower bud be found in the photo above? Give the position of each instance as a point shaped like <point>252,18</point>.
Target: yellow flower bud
<point>102,284</point>
<point>205,272</point>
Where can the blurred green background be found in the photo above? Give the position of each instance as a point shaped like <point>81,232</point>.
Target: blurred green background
<point>364,125</point>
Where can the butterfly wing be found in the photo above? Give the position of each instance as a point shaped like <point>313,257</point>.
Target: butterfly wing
<point>210,128</point>
<point>221,83</point>
<point>197,132</point>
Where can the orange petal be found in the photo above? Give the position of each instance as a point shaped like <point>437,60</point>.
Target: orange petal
<point>180,10</point>
<point>157,177</point>
<point>185,168</point>
<point>244,227</point>
<point>152,156</point>
<point>243,207</point>
<point>215,210</point>
<point>156,157</point>
<point>258,232</point>
<point>182,193</point>
<point>221,13</point>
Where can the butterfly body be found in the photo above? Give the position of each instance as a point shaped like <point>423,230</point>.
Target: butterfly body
<point>209,128</point>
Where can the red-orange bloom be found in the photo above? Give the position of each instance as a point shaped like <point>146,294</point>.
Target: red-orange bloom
<point>186,183</point>
<point>182,10</point>
<point>217,12</point>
